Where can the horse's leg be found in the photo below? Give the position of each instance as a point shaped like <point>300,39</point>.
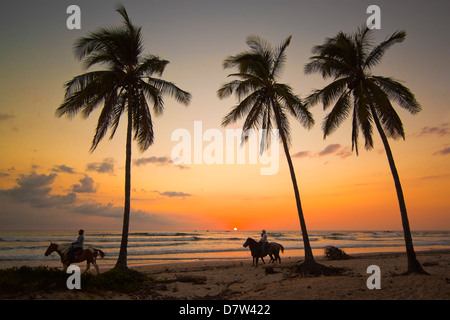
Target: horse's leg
<point>88,266</point>
<point>94,262</point>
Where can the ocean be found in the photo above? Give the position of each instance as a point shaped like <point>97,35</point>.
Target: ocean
<point>18,248</point>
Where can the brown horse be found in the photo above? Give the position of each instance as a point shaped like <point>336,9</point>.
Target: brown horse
<point>271,248</point>
<point>89,255</point>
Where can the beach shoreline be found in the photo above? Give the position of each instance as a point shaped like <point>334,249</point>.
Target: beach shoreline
<point>236,279</point>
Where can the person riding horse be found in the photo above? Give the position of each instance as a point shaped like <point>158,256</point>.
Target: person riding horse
<point>263,241</point>
<point>76,246</point>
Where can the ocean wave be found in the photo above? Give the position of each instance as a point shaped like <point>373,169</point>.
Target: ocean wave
<point>339,237</point>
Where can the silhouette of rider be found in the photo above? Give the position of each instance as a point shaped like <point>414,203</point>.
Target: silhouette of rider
<point>263,241</point>
<point>76,246</point>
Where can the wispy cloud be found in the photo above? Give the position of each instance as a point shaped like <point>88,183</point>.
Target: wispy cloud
<point>159,161</point>
<point>63,168</point>
<point>173,194</point>
<point>4,117</point>
<point>301,154</point>
<point>153,160</point>
<point>441,130</point>
<point>443,151</point>
<point>331,149</point>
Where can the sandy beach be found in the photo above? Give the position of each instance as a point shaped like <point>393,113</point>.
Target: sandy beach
<point>238,280</point>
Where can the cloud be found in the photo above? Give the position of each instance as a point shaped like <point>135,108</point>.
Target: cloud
<point>173,194</point>
<point>329,149</point>
<point>86,185</point>
<point>345,152</point>
<point>159,161</point>
<point>63,168</point>
<point>35,190</point>
<point>441,130</point>
<point>443,151</point>
<point>153,160</point>
<point>33,202</point>
<point>106,166</point>
<point>336,149</point>
<point>301,154</point>
<point>5,117</point>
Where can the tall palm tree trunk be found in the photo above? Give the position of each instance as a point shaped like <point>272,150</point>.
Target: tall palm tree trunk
<point>122,259</point>
<point>307,247</point>
<point>413,264</point>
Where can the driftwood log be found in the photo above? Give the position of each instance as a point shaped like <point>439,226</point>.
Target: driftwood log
<point>333,253</point>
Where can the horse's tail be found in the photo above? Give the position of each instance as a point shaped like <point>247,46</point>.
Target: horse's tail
<point>282,248</point>
<point>102,254</point>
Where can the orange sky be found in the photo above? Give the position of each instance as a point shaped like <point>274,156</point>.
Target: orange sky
<point>49,180</point>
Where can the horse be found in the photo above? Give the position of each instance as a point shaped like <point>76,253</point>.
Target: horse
<point>271,248</point>
<point>89,255</point>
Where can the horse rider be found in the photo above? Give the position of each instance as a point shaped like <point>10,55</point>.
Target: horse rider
<point>263,241</point>
<point>76,246</point>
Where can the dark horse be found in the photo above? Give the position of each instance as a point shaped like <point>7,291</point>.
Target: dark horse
<point>89,255</point>
<point>271,248</point>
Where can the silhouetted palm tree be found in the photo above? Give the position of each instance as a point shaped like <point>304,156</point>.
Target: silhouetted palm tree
<point>124,86</point>
<point>349,59</point>
<point>266,103</point>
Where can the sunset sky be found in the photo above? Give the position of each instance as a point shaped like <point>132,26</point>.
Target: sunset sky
<point>50,180</point>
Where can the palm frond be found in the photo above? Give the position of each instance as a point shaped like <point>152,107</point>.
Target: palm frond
<point>294,105</point>
<point>363,43</point>
<point>104,119</point>
<point>282,123</point>
<point>375,56</point>
<point>280,58</point>
<point>362,104</point>
<point>385,112</point>
<point>169,88</point>
<point>355,130</point>
<point>242,108</point>
<point>142,123</point>
<point>398,93</point>
<point>85,92</point>
<point>338,114</point>
<point>151,65</point>
<point>329,93</point>
<point>255,115</point>
<point>227,89</point>
<point>117,113</point>
<point>329,67</point>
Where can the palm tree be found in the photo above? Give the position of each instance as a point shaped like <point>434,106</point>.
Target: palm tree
<point>125,85</point>
<point>266,103</point>
<point>349,59</point>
